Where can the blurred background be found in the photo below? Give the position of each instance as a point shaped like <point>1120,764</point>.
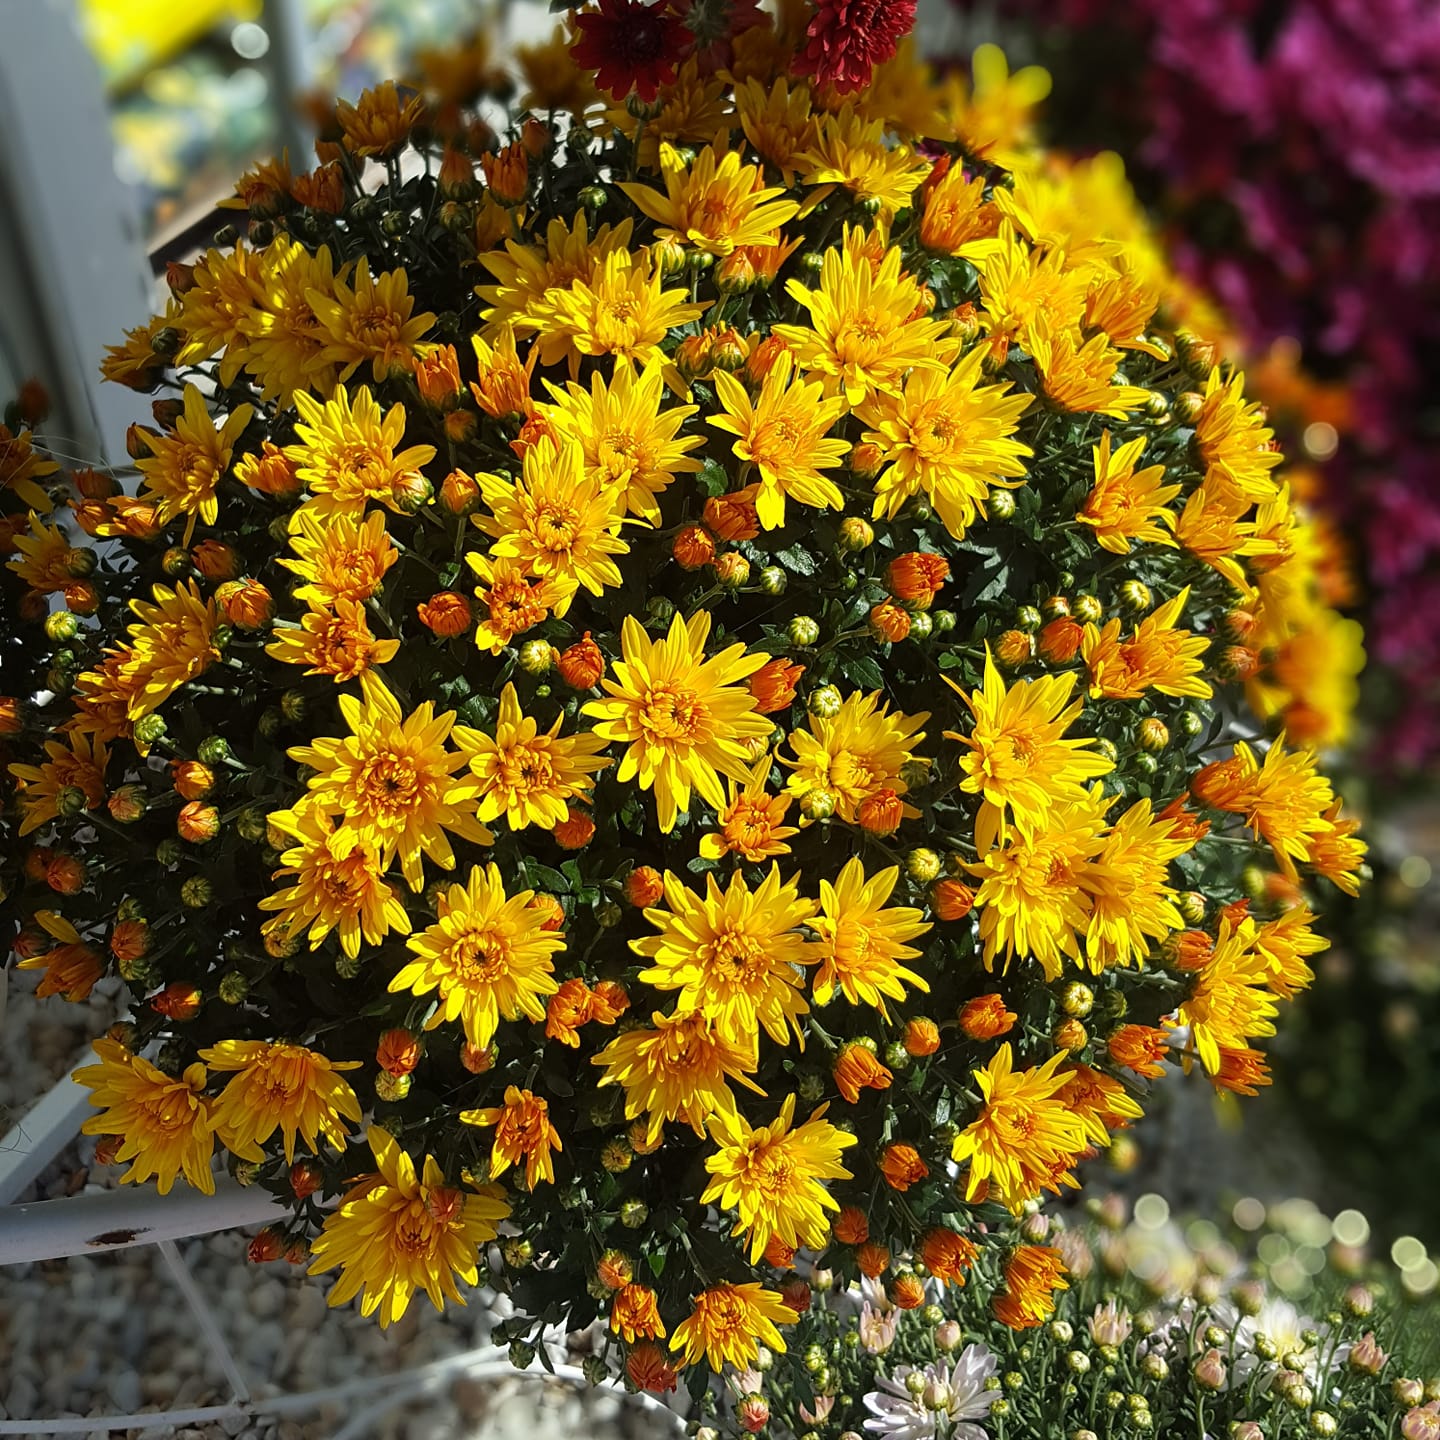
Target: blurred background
<point>1293,144</point>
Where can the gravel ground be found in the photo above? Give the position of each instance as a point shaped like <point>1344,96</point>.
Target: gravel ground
<point>111,1334</point>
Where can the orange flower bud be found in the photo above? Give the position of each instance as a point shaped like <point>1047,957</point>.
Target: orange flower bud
<point>889,622</point>
<point>126,805</point>
<point>398,1052</point>
<point>614,1270</point>
<point>306,1178</point>
<point>459,493</point>
<point>851,1226</point>
<point>10,716</point>
<point>193,779</point>
<point>270,472</point>
<point>81,597</point>
<point>460,425</point>
<point>130,939</point>
<point>985,1017</point>
<point>247,604</point>
<point>266,1246</point>
<point>779,1254</point>
<point>732,570</point>
<point>902,1166</point>
<point>179,1000</point>
<point>856,1069</point>
<point>773,685</point>
<point>922,1037</point>
<point>94,484</point>
<point>1059,641</point>
<point>457,175</point>
<point>437,377</point>
<point>947,1255</point>
<point>198,822</point>
<point>1222,785</point>
<point>608,1001</point>
<point>549,908</point>
<point>735,272</point>
<point>693,547</point>
<point>581,665</point>
<point>694,357</point>
<point>535,136</point>
<point>795,1292</point>
<point>477,1059</point>
<point>446,614</point>
<point>1014,648</point>
<point>763,357</point>
<point>65,874</point>
<point>322,189</point>
<point>866,459</point>
<point>917,576</point>
<point>644,887</point>
<point>575,831</point>
<point>508,174</point>
<point>107,1149</point>
<point>37,859</point>
<point>732,517</point>
<point>1237,662</point>
<point>648,1368</point>
<point>872,1259</point>
<point>729,351</point>
<point>907,1292</point>
<point>1192,949</point>
<point>951,899</point>
<point>880,812</point>
<point>215,561</point>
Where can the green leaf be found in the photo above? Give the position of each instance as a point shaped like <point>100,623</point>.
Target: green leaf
<point>864,671</point>
<point>714,478</point>
<point>656,1261</point>
<point>797,559</point>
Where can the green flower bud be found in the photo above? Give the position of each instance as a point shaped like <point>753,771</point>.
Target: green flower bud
<point>921,625</point>
<point>168,852</point>
<point>1135,597</point>
<point>150,728</point>
<point>536,657</point>
<point>196,893</point>
<point>214,750</point>
<point>825,702</point>
<point>856,534</point>
<point>61,625</point>
<point>633,1214</point>
<point>804,631</point>
<point>1001,505</point>
<point>773,580</point>
<point>234,987</point>
<point>522,1354</point>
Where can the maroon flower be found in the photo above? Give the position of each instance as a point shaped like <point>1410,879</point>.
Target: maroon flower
<point>849,38</point>
<point>630,46</point>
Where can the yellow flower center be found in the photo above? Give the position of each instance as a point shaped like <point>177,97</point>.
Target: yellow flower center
<point>524,768</point>
<point>849,771</point>
<point>390,785</point>
<point>737,957</point>
<point>556,527</point>
<point>672,713</point>
<point>480,957</point>
<point>770,1169</point>
<point>413,1231</point>
<point>376,328</point>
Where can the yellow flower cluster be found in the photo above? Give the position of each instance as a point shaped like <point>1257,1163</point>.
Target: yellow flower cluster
<point>673,650</point>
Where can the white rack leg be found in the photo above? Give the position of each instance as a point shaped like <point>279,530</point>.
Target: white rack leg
<point>205,1318</point>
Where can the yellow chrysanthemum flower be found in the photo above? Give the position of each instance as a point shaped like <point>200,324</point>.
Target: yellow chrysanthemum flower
<point>866,323</point>
<point>773,1175</point>
<point>1079,376</point>
<point>341,556</point>
<point>780,123</point>
<point>44,559</point>
<point>21,465</point>
<point>529,275</point>
<point>397,1232</point>
<point>393,780</point>
<point>1214,532</point>
<point>511,600</point>
<point>165,1122</point>
<point>1236,446</point>
<point>488,957</point>
<point>945,436</point>
<point>782,435</point>
<point>715,204</point>
<point>1018,760</point>
<point>1031,899</point>
<point>286,347</point>
<point>752,825</point>
<point>957,219</point>
<point>1026,1136</point>
<point>1020,285</point>
<point>526,775</point>
<point>370,321</point>
<point>622,310</point>
<point>994,119</point>
<point>728,1324</point>
<point>678,1070</point>
<point>1159,655</point>
<point>348,453</point>
<point>173,643</point>
<point>736,955</point>
<point>631,446</point>
<point>219,310</point>
<point>862,944</point>
<point>337,643</point>
<point>1125,504</point>
<point>284,1087</point>
<point>1283,944</point>
<point>859,750</point>
<point>339,885</point>
<point>76,765</point>
<point>135,363</point>
<point>1229,1004</point>
<point>684,719</point>
<point>851,152</point>
<point>186,466</point>
<point>558,521</point>
<point>1131,901</point>
<point>522,1132</point>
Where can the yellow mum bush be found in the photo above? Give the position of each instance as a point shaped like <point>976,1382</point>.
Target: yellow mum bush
<point>666,688</point>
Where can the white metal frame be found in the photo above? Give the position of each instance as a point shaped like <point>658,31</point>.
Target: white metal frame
<point>106,1220</point>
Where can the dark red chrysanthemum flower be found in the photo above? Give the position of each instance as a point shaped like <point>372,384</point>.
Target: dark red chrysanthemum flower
<point>631,46</point>
<point>849,38</point>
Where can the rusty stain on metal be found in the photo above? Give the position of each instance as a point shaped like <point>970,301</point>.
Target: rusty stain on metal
<point>118,1237</point>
